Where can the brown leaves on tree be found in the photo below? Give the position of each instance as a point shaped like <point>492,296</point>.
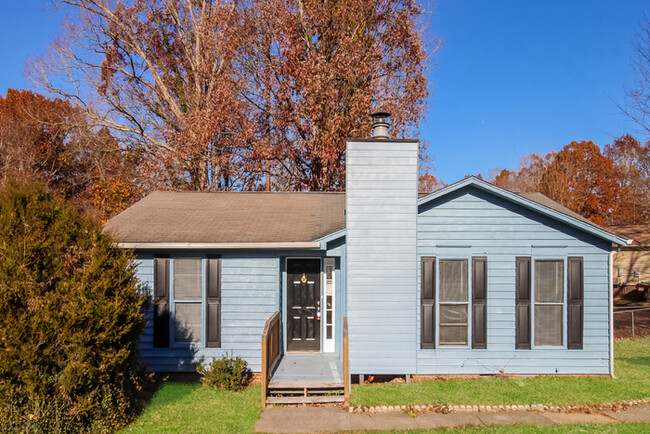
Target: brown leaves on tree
<point>219,93</point>
<point>50,140</point>
<point>320,67</point>
<point>633,162</point>
<point>578,177</point>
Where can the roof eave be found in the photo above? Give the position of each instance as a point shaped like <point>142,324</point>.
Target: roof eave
<point>219,246</point>
<point>330,237</point>
<point>526,203</point>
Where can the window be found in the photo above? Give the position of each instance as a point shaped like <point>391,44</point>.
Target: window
<point>453,306</point>
<point>548,291</point>
<point>330,289</point>
<point>188,299</point>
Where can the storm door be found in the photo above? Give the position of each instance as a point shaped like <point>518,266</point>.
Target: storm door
<point>303,304</point>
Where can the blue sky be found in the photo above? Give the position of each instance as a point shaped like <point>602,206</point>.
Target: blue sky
<point>516,77</point>
<point>510,78</point>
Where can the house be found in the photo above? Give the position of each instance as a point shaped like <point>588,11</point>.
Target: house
<point>470,279</point>
<point>632,262</point>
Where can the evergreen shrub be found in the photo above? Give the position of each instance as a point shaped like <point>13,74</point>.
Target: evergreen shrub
<point>70,318</point>
<point>226,373</point>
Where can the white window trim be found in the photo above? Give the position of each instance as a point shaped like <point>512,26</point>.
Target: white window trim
<point>468,261</point>
<point>564,303</point>
<point>329,345</point>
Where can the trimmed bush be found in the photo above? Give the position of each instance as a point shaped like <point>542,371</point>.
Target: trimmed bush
<point>70,318</point>
<point>226,373</point>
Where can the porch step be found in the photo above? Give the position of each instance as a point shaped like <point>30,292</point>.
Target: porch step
<point>304,399</point>
<point>303,385</point>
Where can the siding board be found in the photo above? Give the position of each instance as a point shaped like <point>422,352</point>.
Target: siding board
<point>381,225</point>
<point>249,297</point>
<point>501,231</point>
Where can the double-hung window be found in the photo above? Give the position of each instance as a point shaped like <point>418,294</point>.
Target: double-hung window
<point>548,290</point>
<point>445,308</point>
<point>188,299</point>
<point>453,305</point>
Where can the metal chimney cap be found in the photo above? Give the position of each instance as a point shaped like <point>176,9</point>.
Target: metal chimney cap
<point>380,125</point>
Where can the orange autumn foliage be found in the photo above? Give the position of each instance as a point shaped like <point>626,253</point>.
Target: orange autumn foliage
<point>578,177</point>
<point>52,141</point>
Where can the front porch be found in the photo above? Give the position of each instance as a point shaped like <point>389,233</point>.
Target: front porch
<point>316,370</point>
<point>301,378</point>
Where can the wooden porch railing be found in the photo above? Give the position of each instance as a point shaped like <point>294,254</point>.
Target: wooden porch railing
<point>346,363</point>
<point>271,351</point>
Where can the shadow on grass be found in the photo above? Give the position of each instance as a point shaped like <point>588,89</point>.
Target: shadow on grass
<point>644,361</point>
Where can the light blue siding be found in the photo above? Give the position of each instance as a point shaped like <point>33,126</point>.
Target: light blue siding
<point>381,224</point>
<point>470,222</point>
<point>250,295</point>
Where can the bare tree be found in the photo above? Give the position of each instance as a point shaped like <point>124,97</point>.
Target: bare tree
<point>221,92</point>
<point>158,73</point>
<point>637,101</point>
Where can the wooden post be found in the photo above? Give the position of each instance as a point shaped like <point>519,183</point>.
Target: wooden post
<point>361,378</point>
<point>408,378</point>
<point>346,363</point>
<point>270,354</point>
<point>264,368</point>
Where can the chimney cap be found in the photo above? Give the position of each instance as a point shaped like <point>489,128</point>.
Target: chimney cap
<point>380,125</point>
<point>380,114</point>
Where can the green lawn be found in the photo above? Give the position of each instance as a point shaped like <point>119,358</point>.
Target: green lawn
<point>632,369</point>
<point>192,407</point>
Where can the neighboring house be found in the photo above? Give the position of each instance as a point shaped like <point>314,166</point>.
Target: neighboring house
<point>470,279</point>
<point>632,262</point>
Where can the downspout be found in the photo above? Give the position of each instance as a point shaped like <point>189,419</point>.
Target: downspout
<point>610,297</point>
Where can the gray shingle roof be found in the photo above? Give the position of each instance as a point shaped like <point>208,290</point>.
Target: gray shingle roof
<point>243,217</point>
<point>639,233</point>
<point>229,217</point>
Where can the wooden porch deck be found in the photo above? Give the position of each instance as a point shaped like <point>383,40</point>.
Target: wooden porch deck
<point>315,370</point>
<point>302,378</point>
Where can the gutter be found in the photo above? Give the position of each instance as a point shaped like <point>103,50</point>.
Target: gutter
<point>225,246</point>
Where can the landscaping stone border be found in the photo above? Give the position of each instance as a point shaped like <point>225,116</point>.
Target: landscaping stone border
<point>453,408</point>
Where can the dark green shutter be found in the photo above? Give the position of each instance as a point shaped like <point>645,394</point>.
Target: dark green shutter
<point>576,303</point>
<point>428,302</point>
<point>522,315</point>
<point>479,302</point>
<point>213,305</point>
<point>161,302</point>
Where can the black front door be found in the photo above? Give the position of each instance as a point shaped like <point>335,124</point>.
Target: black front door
<point>303,304</point>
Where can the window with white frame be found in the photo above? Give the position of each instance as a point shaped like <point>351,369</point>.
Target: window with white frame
<point>453,302</point>
<point>548,292</point>
<point>188,299</point>
<point>329,308</point>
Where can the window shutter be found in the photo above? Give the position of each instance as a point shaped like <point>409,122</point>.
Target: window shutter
<point>428,304</point>
<point>160,302</point>
<point>522,315</point>
<point>213,304</point>
<point>576,303</point>
<point>479,302</point>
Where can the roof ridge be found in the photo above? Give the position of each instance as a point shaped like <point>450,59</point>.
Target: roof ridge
<point>246,192</point>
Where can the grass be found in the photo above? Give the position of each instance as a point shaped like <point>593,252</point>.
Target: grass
<point>193,407</point>
<point>632,369</point>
